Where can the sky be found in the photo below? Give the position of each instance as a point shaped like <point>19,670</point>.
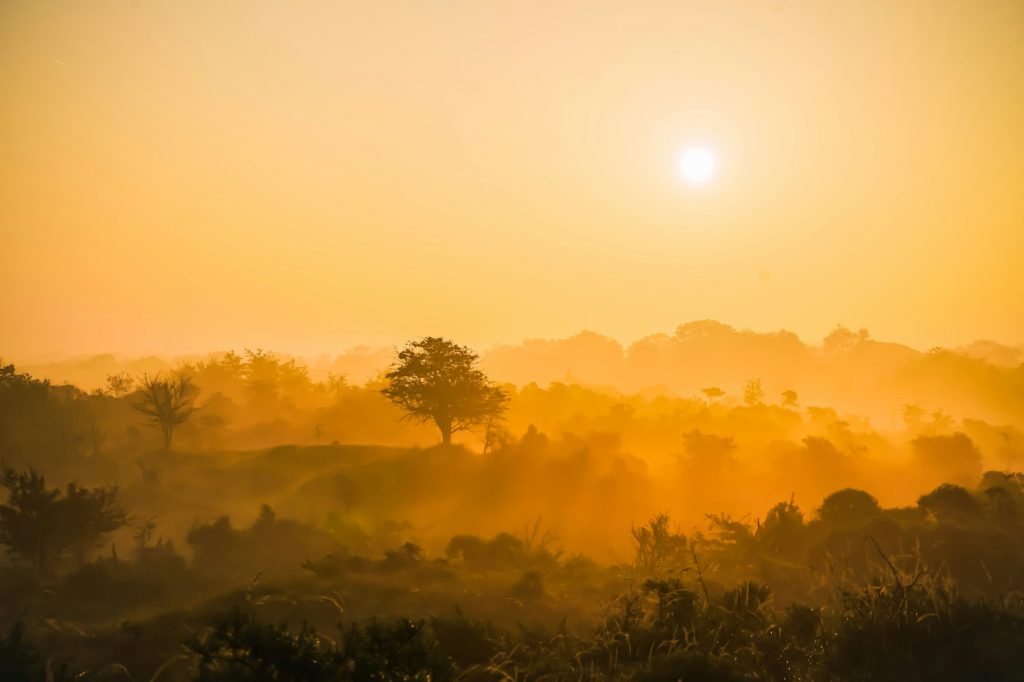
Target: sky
<point>193,175</point>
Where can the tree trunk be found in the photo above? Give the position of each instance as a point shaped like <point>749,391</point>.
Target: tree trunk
<point>446,430</point>
<point>168,432</point>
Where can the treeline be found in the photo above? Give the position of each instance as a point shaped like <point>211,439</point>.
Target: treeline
<point>564,451</point>
<point>847,370</point>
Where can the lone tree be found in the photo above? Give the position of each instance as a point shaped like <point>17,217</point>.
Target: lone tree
<point>120,384</point>
<point>437,379</point>
<point>167,402</point>
<point>753,393</point>
<point>712,393</point>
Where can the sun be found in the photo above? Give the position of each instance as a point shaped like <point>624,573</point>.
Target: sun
<point>697,165</point>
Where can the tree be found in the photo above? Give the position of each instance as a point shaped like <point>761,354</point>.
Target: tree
<point>88,516</point>
<point>707,452</point>
<point>496,434</point>
<point>657,546</point>
<point>782,530</point>
<point>849,506</point>
<point>952,458</point>
<point>437,380</point>
<point>712,393</point>
<point>120,384</point>
<point>913,417</point>
<point>843,339</point>
<point>753,393</point>
<point>950,501</point>
<point>42,525</point>
<point>40,423</point>
<point>790,398</point>
<point>167,402</point>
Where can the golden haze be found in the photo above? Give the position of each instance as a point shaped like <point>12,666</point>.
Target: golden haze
<point>186,176</point>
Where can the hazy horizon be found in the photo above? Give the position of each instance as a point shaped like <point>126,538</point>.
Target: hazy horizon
<point>40,356</point>
<point>184,176</point>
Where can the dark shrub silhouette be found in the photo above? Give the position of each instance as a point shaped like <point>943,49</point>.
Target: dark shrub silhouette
<point>240,648</point>
<point>44,525</point>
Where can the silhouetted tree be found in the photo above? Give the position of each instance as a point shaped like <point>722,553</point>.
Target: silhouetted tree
<point>950,501</point>
<point>496,435</point>
<point>842,339</point>
<point>790,398</point>
<point>849,506</point>
<point>708,453</point>
<point>39,422</point>
<point>913,416</point>
<point>657,546</point>
<point>167,402</point>
<point>954,458</point>
<point>41,524</point>
<point>336,384</point>
<point>712,393</point>
<point>1004,507</point>
<point>782,530</point>
<point>753,393</point>
<point>437,380</point>
<point>120,384</point>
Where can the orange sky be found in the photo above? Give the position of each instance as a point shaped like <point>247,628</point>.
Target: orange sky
<point>195,175</point>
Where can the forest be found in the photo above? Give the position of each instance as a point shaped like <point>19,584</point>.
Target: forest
<point>687,508</point>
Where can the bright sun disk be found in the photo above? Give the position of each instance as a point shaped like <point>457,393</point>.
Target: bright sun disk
<point>697,165</point>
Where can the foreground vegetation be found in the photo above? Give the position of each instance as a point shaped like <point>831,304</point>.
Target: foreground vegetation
<point>853,592</point>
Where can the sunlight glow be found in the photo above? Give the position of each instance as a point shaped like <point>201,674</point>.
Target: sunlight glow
<point>697,165</point>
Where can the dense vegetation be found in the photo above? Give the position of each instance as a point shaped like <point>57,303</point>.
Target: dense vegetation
<point>629,537</point>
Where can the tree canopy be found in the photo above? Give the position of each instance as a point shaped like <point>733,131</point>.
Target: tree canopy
<point>42,525</point>
<point>435,379</point>
<point>167,402</point>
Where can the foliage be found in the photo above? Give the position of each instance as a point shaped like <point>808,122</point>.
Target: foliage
<point>657,547</point>
<point>39,423</point>
<point>240,648</point>
<point>41,525</point>
<point>712,393</point>
<point>269,544</point>
<point>843,339</point>
<point>436,379</point>
<point>753,393</point>
<point>504,550</point>
<point>120,384</point>
<point>950,502</point>
<point>848,506</point>
<point>167,402</point>
<point>953,457</point>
